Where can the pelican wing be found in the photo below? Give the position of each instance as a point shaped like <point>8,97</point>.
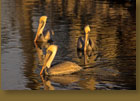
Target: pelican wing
<point>64,68</point>
<point>80,43</point>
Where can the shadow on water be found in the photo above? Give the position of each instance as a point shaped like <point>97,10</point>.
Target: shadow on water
<point>113,26</point>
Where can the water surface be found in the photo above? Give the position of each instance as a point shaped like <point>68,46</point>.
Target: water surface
<point>113,26</point>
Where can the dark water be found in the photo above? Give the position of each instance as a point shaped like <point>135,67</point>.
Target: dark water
<point>113,25</point>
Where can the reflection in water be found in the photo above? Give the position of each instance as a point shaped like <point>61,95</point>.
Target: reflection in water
<point>41,49</point>
<point>113,25</point>
<point>47,84</point>
<point>88,83</point>
<point>51,83</point>
<point>87,58</point>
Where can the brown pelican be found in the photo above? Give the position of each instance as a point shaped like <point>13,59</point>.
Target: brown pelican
<point>85,43</point>
<point>66,67</point>
<point>39,36</point>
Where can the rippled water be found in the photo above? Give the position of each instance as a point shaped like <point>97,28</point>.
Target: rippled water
<point>113,25</point>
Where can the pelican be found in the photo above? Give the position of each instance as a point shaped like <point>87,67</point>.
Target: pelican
<point>39,36</point>
<point>65,67</point>
<point>85,43</point>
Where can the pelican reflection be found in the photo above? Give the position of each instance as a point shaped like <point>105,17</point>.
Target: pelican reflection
<point>87,57</point>
<point>64,80</point>
<point>84,82</point>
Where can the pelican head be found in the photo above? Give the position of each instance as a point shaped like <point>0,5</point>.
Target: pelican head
<point>87,29</point>
<point>50,54</point>
<point>42,23</point>
<point>43,18</point>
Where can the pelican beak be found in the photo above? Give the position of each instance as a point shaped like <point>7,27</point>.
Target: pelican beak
<point>38,32</point>
<point>51,52</point>
<point>41,26</point>
<point>45,65</point>
<point>87,29</point>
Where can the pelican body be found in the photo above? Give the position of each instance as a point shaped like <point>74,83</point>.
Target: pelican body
<point>46,38</point>
<point>65,67</point>
<point>40,37</point>
<point>81,44</point>
<point>85,43</point>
